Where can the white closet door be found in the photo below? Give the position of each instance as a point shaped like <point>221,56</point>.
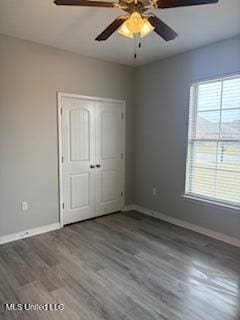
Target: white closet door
<point>78,151</point>
<point>109,157</point>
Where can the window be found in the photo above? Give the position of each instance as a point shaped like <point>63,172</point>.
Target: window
<point>213,161</point>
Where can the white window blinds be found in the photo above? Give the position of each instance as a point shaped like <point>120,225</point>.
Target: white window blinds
<point>213,161</point>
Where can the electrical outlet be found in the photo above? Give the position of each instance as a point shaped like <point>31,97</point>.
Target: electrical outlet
<point>24,206</point>
<point>154,191</point>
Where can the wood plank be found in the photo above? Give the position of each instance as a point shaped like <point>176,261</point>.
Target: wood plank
<point>122,266</point>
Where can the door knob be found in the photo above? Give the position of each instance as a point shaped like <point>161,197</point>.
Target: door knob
<point>92,166</point>
<point>98,166</point>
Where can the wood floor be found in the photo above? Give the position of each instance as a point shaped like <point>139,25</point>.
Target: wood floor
<point>122,266</point>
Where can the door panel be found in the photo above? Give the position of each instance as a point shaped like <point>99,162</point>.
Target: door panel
<point>79,191</point>
<point>110,130</point>
<point>109,185</point>
<point>109,150</point>
<point>78,140</point>
<point>79,127</point>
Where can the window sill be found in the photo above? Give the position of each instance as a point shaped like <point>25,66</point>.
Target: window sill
<point>213,203</point>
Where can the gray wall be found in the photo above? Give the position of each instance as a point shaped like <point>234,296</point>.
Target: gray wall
<point>30,76</point>
<point>161,133</point>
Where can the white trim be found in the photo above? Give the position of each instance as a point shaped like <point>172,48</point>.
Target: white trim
<point>60,95</point>
<point>152,213</point>
<point>29,233</point>
<point>84,97</point>
<point>213,203</point>
<point>181,223</point>
<point>128,207</point>
<point>192,125</point>
<point>59,106</point>
<point>124,154</point>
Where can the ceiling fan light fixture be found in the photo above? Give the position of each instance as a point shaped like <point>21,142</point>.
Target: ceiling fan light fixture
<point>124,31</point>
<point>146,29</point>
<point>134,25</point>
<point>135,22</point>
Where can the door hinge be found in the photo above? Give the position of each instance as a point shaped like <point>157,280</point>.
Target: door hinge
<point>61,111</point>
<point>63,205</point>
<point>121,194</point>
<point>62,159</point>
<point>121,155</point>
<point>122,115</point>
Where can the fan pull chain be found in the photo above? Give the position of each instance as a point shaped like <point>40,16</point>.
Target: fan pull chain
<point>137,44</point>
<point>135,47</point>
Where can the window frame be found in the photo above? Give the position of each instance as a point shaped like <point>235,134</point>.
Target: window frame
<point>192,121</point>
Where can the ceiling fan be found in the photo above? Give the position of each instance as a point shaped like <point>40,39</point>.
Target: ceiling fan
<point>137,21</point>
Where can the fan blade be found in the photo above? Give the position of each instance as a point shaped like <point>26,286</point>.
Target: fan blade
<point>162,4</point>
<point>162,29</point>
<point>85,3</point>
<point>111,29</point>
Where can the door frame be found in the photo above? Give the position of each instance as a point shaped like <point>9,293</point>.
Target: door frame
<point>60,95</point>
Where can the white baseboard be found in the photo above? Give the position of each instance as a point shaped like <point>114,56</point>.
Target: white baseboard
<point>129,207</point>
<point>185,224</point>
<point>152,213</point>
<point>29,233</point>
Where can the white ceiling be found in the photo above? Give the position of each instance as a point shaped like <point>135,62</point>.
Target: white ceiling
<point>75,28</point>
